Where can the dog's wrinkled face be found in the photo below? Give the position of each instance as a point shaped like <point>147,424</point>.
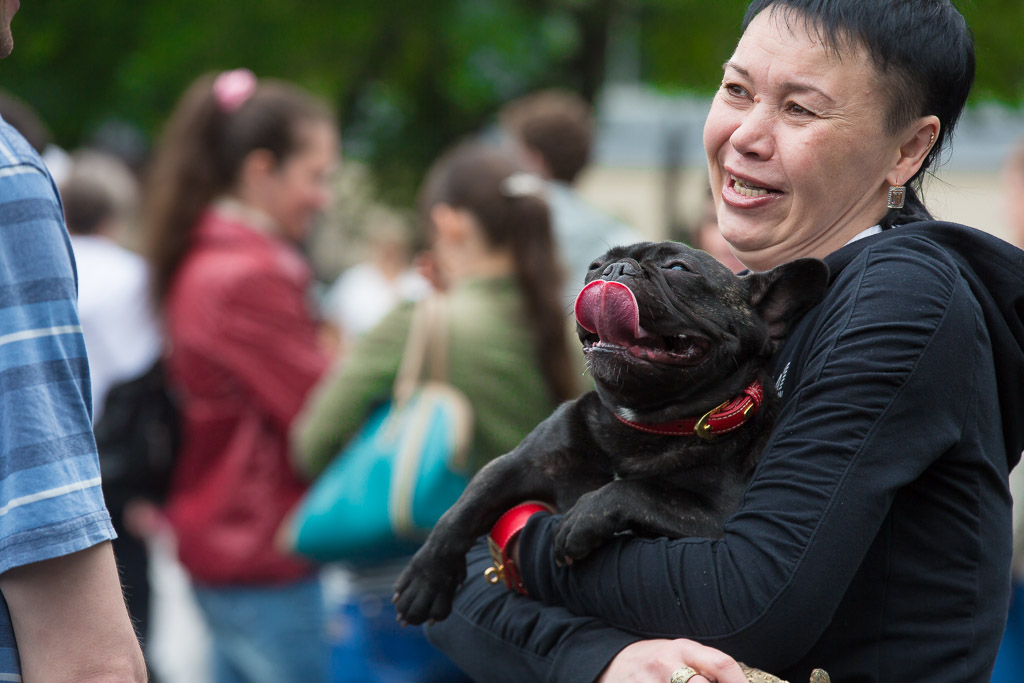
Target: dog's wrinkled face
<point>661,322</point>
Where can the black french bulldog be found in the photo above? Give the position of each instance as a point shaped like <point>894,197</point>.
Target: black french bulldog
<point>678,347</point>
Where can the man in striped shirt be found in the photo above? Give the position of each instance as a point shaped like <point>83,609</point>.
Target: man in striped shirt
<point>62,616</point>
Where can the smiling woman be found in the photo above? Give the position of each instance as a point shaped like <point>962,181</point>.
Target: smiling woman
<point>873,540</point>
<point>799,153</point>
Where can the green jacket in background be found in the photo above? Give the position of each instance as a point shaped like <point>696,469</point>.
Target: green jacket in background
<point>491,359</point>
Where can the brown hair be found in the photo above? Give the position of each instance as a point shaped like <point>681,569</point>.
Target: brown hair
<point>558,125</point>
<point>200,155</point>
<point>473,177</point>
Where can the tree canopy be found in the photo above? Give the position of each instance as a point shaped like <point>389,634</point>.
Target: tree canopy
<point>406,77</point>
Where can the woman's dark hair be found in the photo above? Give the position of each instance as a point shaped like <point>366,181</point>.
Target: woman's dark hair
<point>923,51</point>
<point>200,155</point>
<point>473,177</point>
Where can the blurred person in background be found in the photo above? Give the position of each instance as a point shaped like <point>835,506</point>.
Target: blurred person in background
<point>365,292</point>
<point>241,171</point>
<point>62,616</point>
<point>121,334</point>
<point>508,352</point>
<point>553,130</point>
<point>120,326</point>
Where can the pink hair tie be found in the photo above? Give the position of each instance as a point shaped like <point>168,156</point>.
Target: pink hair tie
<point>233,88</point>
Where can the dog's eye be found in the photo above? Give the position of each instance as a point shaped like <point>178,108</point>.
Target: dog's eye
<point>595,264</point>
<point>677,265</point>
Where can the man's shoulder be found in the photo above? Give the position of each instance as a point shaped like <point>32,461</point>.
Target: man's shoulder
<point>15,149</point>
<point>28,190</point>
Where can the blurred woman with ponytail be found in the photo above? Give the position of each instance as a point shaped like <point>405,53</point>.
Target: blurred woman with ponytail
<point>242,169</point>
<point>488,225</point>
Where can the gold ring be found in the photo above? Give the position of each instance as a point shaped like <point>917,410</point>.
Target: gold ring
<point>683,675</point>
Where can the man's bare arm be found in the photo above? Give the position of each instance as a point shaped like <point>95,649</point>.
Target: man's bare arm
<point>70,620</point>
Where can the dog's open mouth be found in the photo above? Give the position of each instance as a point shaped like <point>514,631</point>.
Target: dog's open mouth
<point>609,312</point>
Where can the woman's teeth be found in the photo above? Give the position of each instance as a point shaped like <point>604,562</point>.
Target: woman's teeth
<point>748,190</point>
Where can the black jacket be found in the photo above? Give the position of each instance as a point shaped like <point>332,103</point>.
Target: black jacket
<point>874,540</point>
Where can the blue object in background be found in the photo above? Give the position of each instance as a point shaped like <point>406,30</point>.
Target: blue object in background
<point>378,499</point>
<point>368,645</point>
<point>1010,662</point>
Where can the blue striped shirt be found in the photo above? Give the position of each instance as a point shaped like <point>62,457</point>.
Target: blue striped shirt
<point>50,500</point>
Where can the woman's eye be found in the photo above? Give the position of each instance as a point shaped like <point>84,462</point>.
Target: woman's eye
<point>734,89</point>
<point>795,108</point>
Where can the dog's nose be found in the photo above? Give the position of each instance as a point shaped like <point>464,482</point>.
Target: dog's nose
<point>625,267</point>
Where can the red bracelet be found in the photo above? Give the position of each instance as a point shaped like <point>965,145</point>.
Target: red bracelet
<point>502,533</point>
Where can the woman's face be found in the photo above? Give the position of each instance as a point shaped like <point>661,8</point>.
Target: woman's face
<point>797,150</point>
<point>300,187</point>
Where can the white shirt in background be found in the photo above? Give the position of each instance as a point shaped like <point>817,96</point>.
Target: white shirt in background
<point>122,335</point>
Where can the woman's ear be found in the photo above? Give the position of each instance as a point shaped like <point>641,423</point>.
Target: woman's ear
<point>915,147</point>
<point>257,165</point>
<point>451,225</point>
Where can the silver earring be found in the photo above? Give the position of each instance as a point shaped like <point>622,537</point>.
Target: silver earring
<point>897,193</point>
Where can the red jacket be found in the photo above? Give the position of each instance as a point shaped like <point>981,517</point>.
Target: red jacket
<point>244,354</point>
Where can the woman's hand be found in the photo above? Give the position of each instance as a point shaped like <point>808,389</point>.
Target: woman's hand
<point>653,661</point>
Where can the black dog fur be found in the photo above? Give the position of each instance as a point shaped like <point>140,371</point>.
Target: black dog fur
<point>704,335</point>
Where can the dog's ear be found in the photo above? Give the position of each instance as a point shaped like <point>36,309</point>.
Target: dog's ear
<point>784,293</point>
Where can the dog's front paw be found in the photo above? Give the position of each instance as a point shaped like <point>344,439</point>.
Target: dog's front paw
<point>425,589</point>
<point>587,524</point>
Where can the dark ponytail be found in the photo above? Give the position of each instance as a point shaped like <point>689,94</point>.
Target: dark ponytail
<point>511,210</point>
<point>201,151</point>
<point>541,278</point>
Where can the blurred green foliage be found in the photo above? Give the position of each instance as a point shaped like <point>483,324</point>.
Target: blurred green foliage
<point>407,77</point>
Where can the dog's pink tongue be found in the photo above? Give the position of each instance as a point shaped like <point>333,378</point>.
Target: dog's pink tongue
<point>610,310</point>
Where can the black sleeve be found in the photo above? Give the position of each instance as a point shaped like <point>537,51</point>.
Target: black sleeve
<point>853,433</point>
<point>495,635</point>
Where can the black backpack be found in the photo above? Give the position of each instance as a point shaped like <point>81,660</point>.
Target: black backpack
<point>138,437</point>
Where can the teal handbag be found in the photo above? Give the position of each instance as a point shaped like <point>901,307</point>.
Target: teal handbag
<point>379,498</point>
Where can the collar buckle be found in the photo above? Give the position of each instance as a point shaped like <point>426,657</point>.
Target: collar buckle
<point>703,426</point>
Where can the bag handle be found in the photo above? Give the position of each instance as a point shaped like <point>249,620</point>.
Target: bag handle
<point>425,346</point>
<point>437,337</point>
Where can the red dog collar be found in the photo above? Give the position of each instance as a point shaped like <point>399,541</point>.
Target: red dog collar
<point>504,530</point>
<point>725,418</point>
